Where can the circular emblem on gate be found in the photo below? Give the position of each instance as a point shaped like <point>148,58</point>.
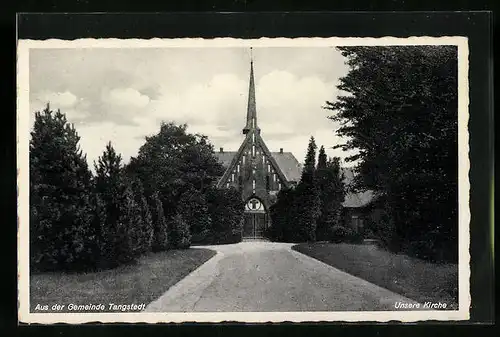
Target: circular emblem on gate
<point>254,205</point>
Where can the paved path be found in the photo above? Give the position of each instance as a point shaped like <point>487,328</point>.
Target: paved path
<point>266,276</point>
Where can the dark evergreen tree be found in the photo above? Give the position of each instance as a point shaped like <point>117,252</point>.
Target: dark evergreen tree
<point>284,215</point>
<point>60,184</point>
<point>322,158</point>
<point>99,223</point>
<point>160,227</point>
<point>330,182</point>
<point>401,109</point>
<point>307,200</point>
<point>180,235</point>
<point>120,236</point>
<point>144,227</point>
<point>130,235</point>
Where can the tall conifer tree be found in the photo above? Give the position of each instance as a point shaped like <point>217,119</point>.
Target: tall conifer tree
<point>60,185</point>
<point>120,234</point>
<point>331,188</point>
<point>144,228</point>
<point>160,226</point>
<point>307,194</point>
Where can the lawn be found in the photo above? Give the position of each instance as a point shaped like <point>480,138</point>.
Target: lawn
<point>413,278</point>
<point>141,282</point>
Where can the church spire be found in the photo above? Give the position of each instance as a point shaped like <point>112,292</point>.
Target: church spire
<point>251,108</point>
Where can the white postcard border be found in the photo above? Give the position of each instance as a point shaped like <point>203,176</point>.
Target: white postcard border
<point>23,129</point>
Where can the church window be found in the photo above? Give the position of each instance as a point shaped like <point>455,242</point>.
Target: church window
<point>227,185</point>
<point>232,177</point>
<point>279,186</point>
<point>253,150</point>
<point>253,171</point>
<point>253,185</point>
<point>238,168</point>
<point>243,159</point>
<point>274,177</point>
<point>253,138</point>
<point>263,159</point>
<point>269,168</point>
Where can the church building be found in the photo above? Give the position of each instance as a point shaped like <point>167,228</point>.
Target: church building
<point>260,174</point>
<point>257,172</point>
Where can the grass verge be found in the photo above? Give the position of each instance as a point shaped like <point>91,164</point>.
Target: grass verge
<point>141,282</point>
<point>419,280</point>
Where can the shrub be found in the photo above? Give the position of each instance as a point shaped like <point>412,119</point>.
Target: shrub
<point>345,234</point>
<point>339,234</point>
<point>226,212</point>
<point>194,209</point>
<point>179,232</point>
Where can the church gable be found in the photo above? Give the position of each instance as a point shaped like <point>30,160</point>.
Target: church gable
<point>253,168</point>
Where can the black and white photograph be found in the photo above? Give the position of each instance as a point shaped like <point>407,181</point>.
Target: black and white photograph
<point>250,180</point>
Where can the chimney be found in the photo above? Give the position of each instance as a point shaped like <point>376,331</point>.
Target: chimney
<point>281,150</point>
<point>221,150</point>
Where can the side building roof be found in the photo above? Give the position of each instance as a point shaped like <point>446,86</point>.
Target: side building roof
<point>358,199</point>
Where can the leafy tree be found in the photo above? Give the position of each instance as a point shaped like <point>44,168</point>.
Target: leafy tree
<point>60,182</point>
<point>180,234</point>
<point>160,227</point>
<point>174,161</point>
<point>399,109</point>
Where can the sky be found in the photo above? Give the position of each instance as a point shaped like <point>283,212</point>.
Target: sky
<point>123,95</point>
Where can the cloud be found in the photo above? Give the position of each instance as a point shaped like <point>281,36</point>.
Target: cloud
<point>295,103</point>
<point>125,139</point>
<point>75,108</point>
<point>128,97</point>
<point>123,95</point>
<point>218,101</point>
<point>61,99</point>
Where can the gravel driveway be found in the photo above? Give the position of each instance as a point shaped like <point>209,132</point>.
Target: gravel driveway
<point>268,276</point>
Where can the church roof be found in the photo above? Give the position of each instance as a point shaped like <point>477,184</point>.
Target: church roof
<point>286,161</point>
<point>288,164</point>
<point>225,157</point>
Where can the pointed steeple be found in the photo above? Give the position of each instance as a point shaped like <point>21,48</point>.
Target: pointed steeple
<point>251,108</point>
